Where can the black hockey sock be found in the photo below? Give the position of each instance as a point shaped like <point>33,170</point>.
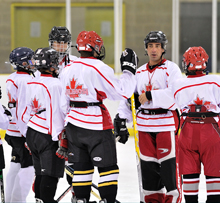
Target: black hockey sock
<point>48,188</point>
<point>192,185</point>
<point>213,198</point>
<point>191,198</point>
<point>109,185</point>
<point>37,183</point>
<point>82,186</point>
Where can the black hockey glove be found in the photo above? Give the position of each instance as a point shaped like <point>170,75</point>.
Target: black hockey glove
<point>7,112</point>
<point>62,151</point>
<point>120,129</point>
<point>129,60</point>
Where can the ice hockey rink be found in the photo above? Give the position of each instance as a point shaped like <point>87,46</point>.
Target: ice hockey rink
<point>128,186</point>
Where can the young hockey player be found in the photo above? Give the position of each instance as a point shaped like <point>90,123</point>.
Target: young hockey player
<point>86,83</point>
<point>157,123</point>
<point>60,40</point>
<point>46,124</point>
<point>198,96</point>
<point>21,172</point>
<point>5,117</point>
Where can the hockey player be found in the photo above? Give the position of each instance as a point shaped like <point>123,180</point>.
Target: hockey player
<point>157,123</point>
<point>21,172</point>
<point>198,98</point>
<point>5,116</point>
<point>46,124</point>
<point>87,82</point>
<point>60,40</point>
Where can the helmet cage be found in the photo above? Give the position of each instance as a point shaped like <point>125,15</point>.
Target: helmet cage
<point>156,37</point>
<point>195,59</point>
<point>62,37</point>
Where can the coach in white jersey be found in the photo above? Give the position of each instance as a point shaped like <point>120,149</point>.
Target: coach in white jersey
<point>60,40</point>
<point>86,83</point>
<point>157,122</point>
<point>198,96</point>
<point>21,172</point>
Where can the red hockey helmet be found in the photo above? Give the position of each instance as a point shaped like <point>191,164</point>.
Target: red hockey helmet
<point>90,41</point>
<point>195,59</point>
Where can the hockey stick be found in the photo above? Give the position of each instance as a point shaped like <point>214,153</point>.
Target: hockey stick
<point>70,171</point>
<point>2,187</point>
<point>136,140</point>
<point>64,193</point>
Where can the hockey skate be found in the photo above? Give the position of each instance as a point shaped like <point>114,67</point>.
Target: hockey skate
<point>75,200</point>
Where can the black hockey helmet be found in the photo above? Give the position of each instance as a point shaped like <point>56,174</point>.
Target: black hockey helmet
<point>61,35</point>
<point>156,37</point>
<point>46,58</point>
<point>20,55</point>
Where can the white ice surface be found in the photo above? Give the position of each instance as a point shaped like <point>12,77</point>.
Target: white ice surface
<point>128,179</point>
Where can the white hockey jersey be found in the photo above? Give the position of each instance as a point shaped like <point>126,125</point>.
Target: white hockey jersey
<point>62,63</point>
<point>159,81</point>
<point>44,100</point>
<point>16,85</point>
<point>198,90</point>
<point>91,80</point>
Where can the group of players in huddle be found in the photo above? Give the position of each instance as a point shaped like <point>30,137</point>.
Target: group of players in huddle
<point>56,116</point>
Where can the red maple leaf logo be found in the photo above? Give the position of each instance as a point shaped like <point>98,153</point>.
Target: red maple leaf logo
<point>35,105</point>
<point>10,98</point>
<point>74,90</point>
<point>207,104</point>
<point>198,101</point>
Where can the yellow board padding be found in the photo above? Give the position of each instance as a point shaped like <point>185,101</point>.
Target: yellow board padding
<point>2,133</point>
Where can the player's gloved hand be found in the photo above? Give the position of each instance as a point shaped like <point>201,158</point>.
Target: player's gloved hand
<point>120,129</point>
<point>26,146</point>
<point>7,112</point>
<point>62,151</point>
<point>129,60</point>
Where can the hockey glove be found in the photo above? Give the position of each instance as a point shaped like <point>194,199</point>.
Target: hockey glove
<point>62,151</point>
<point>7,112</point>
<point>120,129</point>
<point>129,60</point>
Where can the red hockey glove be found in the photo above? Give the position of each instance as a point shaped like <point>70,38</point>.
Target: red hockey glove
<point>62,151</point>
<point>120,129</point>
